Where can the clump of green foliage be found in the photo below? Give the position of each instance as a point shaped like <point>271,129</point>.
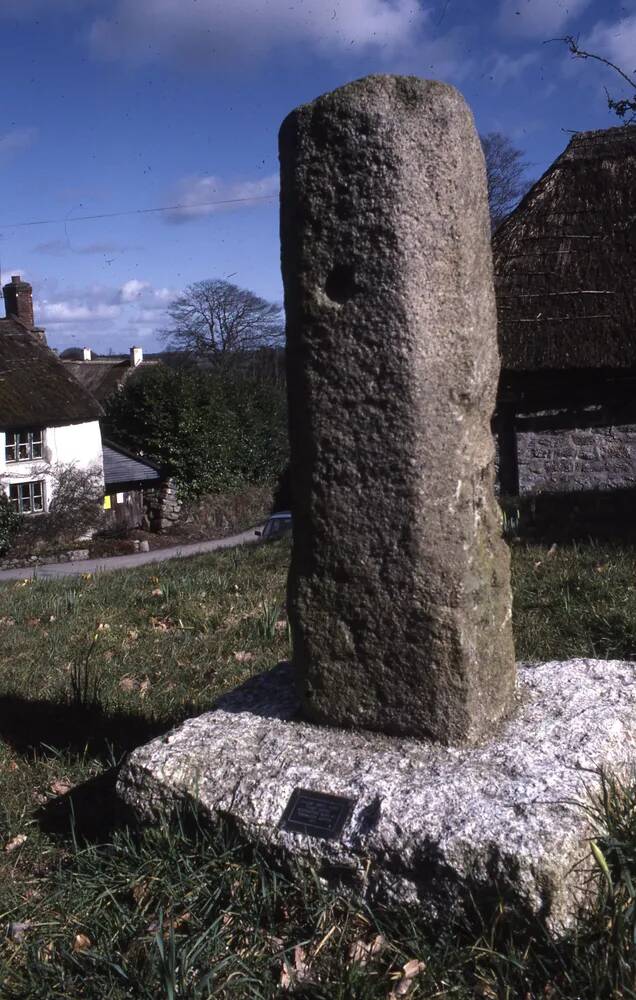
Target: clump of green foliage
<point>10,523</point>
<point>213,431</point>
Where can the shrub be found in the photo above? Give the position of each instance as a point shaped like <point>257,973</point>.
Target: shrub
<point>76,503</point>
<point>74,511</point>
<point>10,523</point>
<point>213,432</point>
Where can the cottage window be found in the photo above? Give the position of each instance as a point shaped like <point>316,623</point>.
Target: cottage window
<point>23,446</point>
<point>27,498</point>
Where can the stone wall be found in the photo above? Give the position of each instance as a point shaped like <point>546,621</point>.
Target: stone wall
<point>162,507</point>
<point>32,561</point>
<point>574,459</point>
<point>574,481</point>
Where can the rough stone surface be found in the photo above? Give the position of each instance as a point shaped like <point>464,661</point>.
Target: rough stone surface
<point>162,507</point>
<point>587,458</point>
<point>431,824</point>
<point>76,555</point>
<point>399,592</point>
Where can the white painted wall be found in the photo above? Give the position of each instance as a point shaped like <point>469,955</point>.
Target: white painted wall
<point>80,444</point>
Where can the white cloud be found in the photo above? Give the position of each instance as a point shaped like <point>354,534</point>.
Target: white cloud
<point>132,290</point>
<point>200,196</point>
<point>538,18</point>
<point>147,316</point>
<point>15,141</point>
<point>103,316</point>
<point>214,33</point>
<point>504,69</point>
<point>616,42</point>
<point>65,312</point>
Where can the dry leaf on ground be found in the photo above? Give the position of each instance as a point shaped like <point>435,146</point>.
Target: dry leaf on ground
<point>487,991</point>
<point>243,657</point>
<point>285,981</point>
<point>141,890</point>
<point>82,942</point>
<point>46,952</point>
<point>175,923</point>
<point>409,974</point>
<point>60,787</point>
<point>274,943</point>
<point>15,842</point>
<point>362,951</point>
<point>157,592</point>
<point>298,972</point>
<point>17,930</point>
<point>144,687</point>
<point>161,624</point>
<point>128,684</point>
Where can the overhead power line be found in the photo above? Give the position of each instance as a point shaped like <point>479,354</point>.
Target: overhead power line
<point>134,211</point>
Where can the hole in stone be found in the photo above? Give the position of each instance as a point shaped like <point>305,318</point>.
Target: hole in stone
<point>340,285</point>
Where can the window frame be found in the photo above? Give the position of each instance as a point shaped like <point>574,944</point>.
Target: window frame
<point>36,490</point>
<point>32,440</point>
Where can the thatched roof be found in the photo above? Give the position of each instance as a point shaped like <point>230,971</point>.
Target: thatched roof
<point>565,261</point>
<point>103,376</point>
<point>36,390</point>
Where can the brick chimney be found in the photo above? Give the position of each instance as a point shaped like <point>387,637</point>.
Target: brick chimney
<point>87,354</point>
<point>18,301</point>
<point>136,356</point>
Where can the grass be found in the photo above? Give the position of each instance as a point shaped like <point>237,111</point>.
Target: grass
<point>94,907</point>
<point>575,600</point>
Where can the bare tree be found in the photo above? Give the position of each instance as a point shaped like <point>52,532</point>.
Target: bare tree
<point>214,319</point>
<point>624,107</point>
<point>505,174</point>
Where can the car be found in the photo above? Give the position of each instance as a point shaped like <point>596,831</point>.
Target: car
<point>276,526</point>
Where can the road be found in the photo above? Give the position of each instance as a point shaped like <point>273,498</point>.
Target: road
<point>107,565</point>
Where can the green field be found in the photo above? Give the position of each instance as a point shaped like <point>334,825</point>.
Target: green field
<point>92,907</point>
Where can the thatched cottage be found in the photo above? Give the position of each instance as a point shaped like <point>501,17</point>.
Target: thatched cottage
<point>565,273</point>
<point>46,419</point>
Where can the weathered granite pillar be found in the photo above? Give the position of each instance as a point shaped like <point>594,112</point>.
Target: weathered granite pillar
<point>399,588</point>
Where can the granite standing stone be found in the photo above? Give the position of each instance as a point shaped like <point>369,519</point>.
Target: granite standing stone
<point>399,588</point>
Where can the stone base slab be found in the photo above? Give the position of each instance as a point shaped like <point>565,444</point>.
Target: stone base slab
<point>431,825</point>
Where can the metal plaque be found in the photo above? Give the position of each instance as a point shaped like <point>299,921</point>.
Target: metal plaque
<point>316,814</point>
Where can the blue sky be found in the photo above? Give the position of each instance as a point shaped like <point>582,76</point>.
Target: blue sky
<point>127,105</point>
